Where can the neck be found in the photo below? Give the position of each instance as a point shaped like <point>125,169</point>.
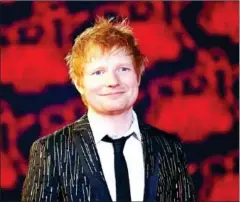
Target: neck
<point>117,124</point>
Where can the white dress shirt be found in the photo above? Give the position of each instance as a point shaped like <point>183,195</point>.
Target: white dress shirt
<point>133,153</point>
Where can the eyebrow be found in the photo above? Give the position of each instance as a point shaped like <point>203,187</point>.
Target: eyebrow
<point>122,64</point>
<point>117,65</point>
<point>103,67</point>
<point>95,69</point>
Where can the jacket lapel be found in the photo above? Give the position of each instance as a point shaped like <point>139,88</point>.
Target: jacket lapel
<point>151,162</point>
<point>84,142</point>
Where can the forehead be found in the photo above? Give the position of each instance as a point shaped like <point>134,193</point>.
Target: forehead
<point>98,56</point>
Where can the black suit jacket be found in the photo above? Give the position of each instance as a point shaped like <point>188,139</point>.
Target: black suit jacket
<point>65,166</point>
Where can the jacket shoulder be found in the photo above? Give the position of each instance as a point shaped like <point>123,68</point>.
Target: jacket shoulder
<point>167,143</point>
<point>163,138</point>
<point>156,132</point>
<point>59,135</point>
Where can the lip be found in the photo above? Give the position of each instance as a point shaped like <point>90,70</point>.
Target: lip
<point>113,93</point>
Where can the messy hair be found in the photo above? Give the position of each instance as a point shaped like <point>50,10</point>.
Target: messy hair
<point>105,34</point>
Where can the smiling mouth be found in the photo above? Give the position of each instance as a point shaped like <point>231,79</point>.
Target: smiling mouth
<point>113,93</point>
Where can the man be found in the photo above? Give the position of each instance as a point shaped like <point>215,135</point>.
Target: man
<point>108,154</point>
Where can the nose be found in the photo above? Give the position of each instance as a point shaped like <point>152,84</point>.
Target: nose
<point>111,80</point>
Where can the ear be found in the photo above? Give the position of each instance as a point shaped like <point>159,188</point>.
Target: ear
<point>80,90</point>
<point>139,81</point>
<point>140,75</point>
<point>78,87</point>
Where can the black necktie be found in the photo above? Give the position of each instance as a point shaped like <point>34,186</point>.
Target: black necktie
<point>121,171</point>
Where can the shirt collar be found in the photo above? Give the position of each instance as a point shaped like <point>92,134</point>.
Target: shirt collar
<point>99,128</point>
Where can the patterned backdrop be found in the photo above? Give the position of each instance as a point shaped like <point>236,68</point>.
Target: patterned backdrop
<point>190,87</point>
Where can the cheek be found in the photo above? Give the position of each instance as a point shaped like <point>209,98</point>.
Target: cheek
<point>133,89</point>
<point>92,86</point>
<point>133,84</point>
<point>93,91</point>
<point>130,80</point>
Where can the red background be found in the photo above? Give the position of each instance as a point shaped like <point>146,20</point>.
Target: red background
<point>190,86</point>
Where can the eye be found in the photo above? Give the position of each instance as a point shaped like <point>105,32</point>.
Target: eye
<point>98,72</point>
<point>124,69</point>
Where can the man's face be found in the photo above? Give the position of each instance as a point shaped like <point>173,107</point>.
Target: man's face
<point>110,84</point>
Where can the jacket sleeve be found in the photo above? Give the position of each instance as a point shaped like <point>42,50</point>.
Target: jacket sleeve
<point>183,185</point>
<point>41,182</point>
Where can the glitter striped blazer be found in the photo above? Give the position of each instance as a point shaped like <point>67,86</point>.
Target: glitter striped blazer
<point>65,166</point>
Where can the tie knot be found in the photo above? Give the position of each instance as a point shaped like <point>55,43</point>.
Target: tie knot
<point>118,144</point>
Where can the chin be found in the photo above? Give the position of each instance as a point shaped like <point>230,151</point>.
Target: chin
<point>113,110</point>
